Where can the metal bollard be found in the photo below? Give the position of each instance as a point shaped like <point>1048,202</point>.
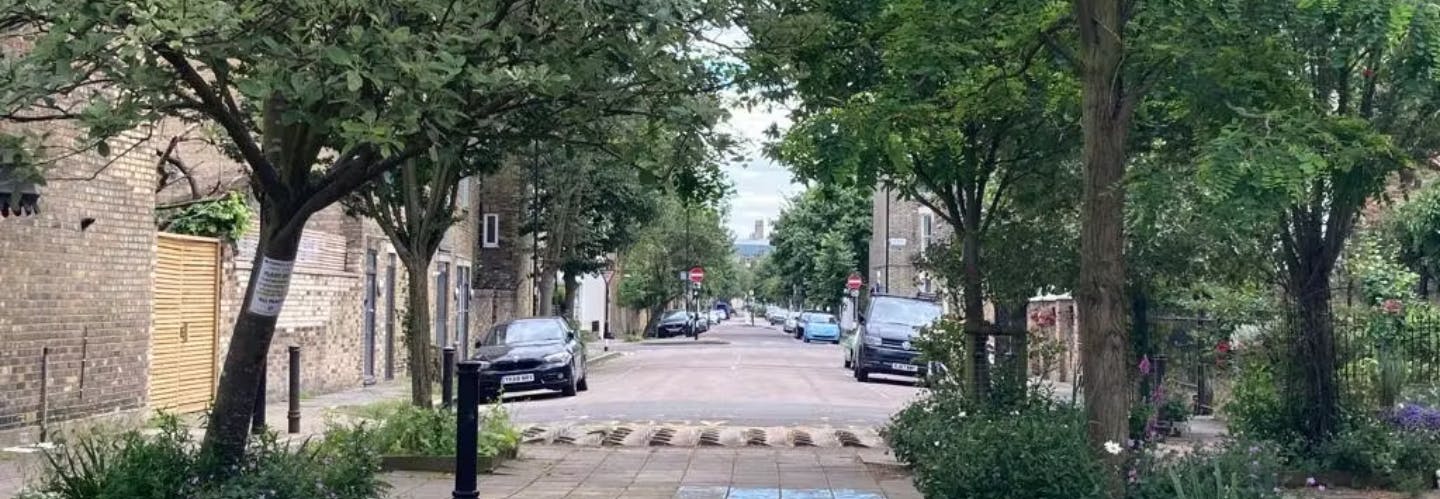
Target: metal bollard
<point>294,414</point>
<point>447,376</point>
<point>467,433</point>
<point>257,415</point>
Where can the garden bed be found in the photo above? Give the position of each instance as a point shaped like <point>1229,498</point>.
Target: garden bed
<point>443,464</point>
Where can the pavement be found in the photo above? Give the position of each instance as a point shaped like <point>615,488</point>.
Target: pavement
<point>554,472</point>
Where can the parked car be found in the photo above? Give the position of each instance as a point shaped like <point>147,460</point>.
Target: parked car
<point>818,326</point>
<point>540,353</point>
<point>776,315</point>
<point>790,322</point>
<point>716,317</point>
<point>882,345</point>
<point>676,323</point>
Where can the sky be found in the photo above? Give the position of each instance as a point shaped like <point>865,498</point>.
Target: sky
<point>761,184</point>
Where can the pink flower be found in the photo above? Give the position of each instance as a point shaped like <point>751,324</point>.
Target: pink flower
<point>1145,364</point>
<point>1392,306</point>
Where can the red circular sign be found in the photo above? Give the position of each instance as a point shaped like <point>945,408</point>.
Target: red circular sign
<point>854,282</point>
<point>697,274</point>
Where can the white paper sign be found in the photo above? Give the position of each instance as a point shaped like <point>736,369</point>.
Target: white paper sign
<point>271,286</point>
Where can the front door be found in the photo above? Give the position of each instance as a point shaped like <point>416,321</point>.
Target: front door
<point>368,336</point>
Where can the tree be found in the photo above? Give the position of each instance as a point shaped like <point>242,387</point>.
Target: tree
<point>819,240</point>
<point>1324,102</point>
<point>1111,89</point>
<point>956,103</point>
<point>319,98</point>
<point>686,234</point>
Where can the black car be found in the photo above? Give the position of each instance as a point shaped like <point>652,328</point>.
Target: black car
<point>679,323</point>
<point>540,353</point>
<point>886,330</point>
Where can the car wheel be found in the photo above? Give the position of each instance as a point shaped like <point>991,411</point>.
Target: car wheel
<point>861,374</point>
<point>847,361</point>
<point>807,339</point>
<point>572,387</point>
<point>583,385</point>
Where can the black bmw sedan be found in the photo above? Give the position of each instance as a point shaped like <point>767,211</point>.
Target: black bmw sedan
<point>540,353</point>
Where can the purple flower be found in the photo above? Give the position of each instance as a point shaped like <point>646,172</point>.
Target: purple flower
<point>1145,364</point>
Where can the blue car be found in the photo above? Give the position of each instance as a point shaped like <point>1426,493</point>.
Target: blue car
<point>817,326</point>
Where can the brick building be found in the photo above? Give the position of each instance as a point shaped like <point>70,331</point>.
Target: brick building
<point>93,282</point>
<point>901,230</point>
<point>77,279</point>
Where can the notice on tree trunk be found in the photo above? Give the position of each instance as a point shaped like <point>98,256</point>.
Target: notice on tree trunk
<point>270,287</point>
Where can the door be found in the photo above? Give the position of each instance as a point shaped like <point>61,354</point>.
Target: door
<point>462,309</point>
<point>390,318</point>
<point>442,304</point>
<point>185,318</point>
<point>368,335</point>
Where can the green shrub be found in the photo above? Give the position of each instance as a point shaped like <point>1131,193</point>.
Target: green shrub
<point>166,464</point>
<point>959,449</point>
<point>398,428</point>
<point>1237,470</point>
<point>1379,454</point>
<point>1257,410</point>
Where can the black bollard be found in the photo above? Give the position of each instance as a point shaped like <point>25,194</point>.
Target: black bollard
<point>294,414</point>
<point>467,433</point>
<point>257,416</point>
<point>447,376</point>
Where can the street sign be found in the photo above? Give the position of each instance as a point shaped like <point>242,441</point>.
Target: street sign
<point>697,274</point>
<point>854,282</point>
<point>898,242</point>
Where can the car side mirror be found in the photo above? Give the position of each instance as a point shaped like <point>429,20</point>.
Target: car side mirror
<point>570,335</point>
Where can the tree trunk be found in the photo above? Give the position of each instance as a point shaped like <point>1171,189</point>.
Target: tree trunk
<point>1101,292</point>
<point>230,418</point>
<point>572,285</point>
<point>417,332</point>
<point>977,366</point>
<point>547,293</point>
<point>653,320</point>
<point>1314,355</point>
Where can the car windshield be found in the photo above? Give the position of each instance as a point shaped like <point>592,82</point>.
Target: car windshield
<point>522,332</point>
<point>891,310</point>
<point>675,315</point>
<point>821,318</point>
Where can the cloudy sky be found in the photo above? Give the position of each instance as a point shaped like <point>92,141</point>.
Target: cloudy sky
<point>761,184</point>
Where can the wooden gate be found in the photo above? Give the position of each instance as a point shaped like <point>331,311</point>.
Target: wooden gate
<point>186,316</point>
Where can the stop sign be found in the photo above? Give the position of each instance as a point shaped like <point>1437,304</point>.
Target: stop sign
<point>697,274</point>
<point>854,282</point>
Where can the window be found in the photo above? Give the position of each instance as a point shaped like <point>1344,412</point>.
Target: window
<point>491,230</point>
<point>927,229</point>
<point>462,194</point>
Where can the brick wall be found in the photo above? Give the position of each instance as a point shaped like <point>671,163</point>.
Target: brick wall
<point>86,293</point>
<point>899,219</point>
<point>501,279</point>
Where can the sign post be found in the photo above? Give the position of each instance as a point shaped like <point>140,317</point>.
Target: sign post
<point>605,333</point>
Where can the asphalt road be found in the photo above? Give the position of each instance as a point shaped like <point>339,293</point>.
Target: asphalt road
<point>759,377</point>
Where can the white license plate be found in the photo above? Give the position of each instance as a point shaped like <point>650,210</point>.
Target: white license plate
<point>905,367</point>
<point>517,378</point>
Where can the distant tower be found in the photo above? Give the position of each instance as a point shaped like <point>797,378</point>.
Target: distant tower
<point>759,233</point>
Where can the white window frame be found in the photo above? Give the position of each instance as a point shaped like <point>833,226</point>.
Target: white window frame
<point>462,194</point>
<point>927,228</point>
<point>490,234</point>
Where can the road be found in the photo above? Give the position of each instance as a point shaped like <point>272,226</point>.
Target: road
<point>758,377</point>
